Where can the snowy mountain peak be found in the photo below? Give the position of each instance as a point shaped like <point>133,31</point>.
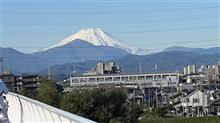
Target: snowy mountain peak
<point>96,37</point>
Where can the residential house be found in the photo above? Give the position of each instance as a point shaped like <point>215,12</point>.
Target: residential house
<point>192,103</point>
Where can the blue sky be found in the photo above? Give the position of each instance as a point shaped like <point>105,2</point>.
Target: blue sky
<point>31,25</point>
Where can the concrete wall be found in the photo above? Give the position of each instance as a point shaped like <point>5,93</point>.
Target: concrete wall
<point>166,79</point>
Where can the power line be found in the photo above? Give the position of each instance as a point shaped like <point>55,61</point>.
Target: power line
<point>124,12</point>
<point>181,42</point>
<point>167,30</point>
<point>127,32</point>
<point>112,23</point>
<point>108,1</point>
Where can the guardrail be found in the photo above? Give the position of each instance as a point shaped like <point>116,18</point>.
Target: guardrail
<point>22,109</point>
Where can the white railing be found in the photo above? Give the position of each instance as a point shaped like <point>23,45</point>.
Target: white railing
<point>25,110</point>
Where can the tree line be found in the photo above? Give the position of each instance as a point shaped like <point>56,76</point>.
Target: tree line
<point>104,105</point>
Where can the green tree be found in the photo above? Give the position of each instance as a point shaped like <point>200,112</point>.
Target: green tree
<point>100,105</point>
<point>25,92</point>
<point>48,93</point>
<point>134,112</point>
<point>117,120</point>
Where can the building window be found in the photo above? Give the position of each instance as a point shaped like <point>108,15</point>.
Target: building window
<point>149,77</point>
<point>133,78</point>
<point>116,79</point>
<point>186,100</point>
<point>141,77</point>
<point>101,79</point>
<point>165,76</point>
<point>75,80</point>
<point>195,100</point>
<point>92,79</point>
<point>157,77</point>
<point>83,79</point>
<point>108,79</point>
<point>124,78</point>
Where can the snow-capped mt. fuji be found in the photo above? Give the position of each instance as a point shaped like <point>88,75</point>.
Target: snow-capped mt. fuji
<point>96,37</point>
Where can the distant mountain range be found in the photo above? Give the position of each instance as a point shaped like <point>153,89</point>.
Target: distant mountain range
<point>77,51</point>
<point>194,50</point>
<point>20,62</point>
<point>166,61</point>
<point>81,51</point>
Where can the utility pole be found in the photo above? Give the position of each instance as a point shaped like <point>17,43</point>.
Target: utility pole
<point>149,98</point>
<point>172,88</point>
<point>162,94</point>
<point>209,82</point>
<point>49,74</point>
<point>143,97</point>
<point>198,98</point>
<point>156,98</point>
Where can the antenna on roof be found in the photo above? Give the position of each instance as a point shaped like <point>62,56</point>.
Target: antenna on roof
<point>140,66</point>
<point>155,67</point>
